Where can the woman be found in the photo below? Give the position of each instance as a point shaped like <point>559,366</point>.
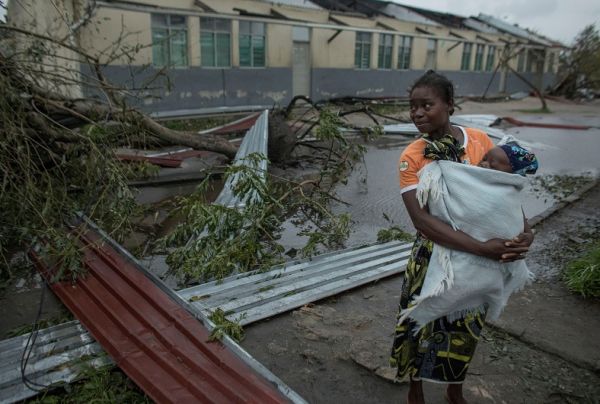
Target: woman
<point>442,350</point>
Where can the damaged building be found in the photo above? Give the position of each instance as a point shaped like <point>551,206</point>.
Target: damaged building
<point>227,54</point>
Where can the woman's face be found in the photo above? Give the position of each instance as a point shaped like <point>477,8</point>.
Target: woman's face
<point>428,110</point>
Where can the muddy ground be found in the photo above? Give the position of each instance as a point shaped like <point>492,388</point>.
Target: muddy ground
<point>543,349</point>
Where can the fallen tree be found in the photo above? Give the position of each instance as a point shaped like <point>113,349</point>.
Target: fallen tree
<point>56,150</point>
<point>56,154</point>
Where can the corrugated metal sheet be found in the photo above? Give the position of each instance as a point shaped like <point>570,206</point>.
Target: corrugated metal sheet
<point>156,338</point>
<point>482,122</point>
<point>59,354</point>
<point>255,141</point>
<point>512,29</point>
<point>480,26</point>
<point>295,3</point>
<point>401,129</point>
<point>251,297</point>
<point>405,14</point>
<point>244,123</point>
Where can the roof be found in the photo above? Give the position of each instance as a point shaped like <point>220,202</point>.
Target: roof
<point>404,14</point>
<point>513,30</point>
<point>445,19</point>
<point>156,338</point>
<point>296,3</point>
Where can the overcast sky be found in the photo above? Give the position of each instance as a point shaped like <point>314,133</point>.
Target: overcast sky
<point>557,19</point>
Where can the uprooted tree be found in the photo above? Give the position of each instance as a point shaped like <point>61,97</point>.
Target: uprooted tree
<point>56,158</point>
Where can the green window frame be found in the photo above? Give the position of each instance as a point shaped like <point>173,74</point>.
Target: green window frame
<point>431,55</point>
<point>404,52</point>
<point>491,58</point>
<point>252,44</point>
<point>215,42</point>
<point>521,61</point>
<point>465,63</point>
<point>169,40</point>
<point>479,57</point>
<point>386,44</point>
<point>362,50</point>
<point>550,68</point>
<point>530,61</point>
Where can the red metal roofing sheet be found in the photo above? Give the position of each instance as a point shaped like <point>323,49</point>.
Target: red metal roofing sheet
<point>159,161</point>
<point>156,341</point>
<point>517,122</point>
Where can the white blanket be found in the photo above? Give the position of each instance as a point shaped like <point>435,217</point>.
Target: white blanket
<point>485,204</point>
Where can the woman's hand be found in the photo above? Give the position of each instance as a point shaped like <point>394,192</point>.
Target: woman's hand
<point>504,250</point>
<point>523,240</point>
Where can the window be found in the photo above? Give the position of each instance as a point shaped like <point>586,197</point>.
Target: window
<point>362,50</point>
<point>530,64</point>
<point>431,57</point>
<point>252,44</point>
<point>465,63</point>
<point>489,62</point>
<point>479,57</point>
<point>169,40</point>
<point>550,62</point>
<point>215,42</point>
<point>404,48</point>
<point>385,51</point>
<point>521,61</point>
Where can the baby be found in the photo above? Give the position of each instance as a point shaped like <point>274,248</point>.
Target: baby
<point>510,158</point>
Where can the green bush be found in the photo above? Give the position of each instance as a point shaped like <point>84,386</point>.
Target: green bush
<point>582,275</point>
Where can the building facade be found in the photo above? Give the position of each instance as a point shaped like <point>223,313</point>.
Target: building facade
<point>187,55</point>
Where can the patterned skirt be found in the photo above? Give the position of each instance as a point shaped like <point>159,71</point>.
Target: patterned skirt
<point>442,350</point>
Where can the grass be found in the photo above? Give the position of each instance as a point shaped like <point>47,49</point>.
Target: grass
<point>99,386</point>
<point>582,276</point>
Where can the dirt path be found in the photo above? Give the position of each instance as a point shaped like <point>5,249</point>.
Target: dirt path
<point>544,348</point>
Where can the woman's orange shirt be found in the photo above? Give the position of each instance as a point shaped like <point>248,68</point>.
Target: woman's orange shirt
<point>476,144</point>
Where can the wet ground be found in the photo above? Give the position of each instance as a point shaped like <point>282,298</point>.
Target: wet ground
<point>337,349</point>
<point>544,348</point>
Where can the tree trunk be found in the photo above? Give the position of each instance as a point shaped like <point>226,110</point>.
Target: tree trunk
<point>185,138</point>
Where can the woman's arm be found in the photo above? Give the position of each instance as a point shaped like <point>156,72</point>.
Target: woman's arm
<point>442,233</point>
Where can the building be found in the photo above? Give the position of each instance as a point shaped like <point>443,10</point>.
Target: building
<point>225,53</point>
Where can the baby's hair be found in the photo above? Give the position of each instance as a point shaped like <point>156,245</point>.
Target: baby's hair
<point>438,82</point>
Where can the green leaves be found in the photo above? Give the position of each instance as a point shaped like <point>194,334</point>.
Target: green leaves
<point>214,241</point>
<point>582,276</point>
<point>224,326</point>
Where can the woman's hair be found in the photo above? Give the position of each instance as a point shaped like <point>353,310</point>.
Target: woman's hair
<point>439,83</point>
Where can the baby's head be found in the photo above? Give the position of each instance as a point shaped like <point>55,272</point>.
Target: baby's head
<point>510,158</point>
